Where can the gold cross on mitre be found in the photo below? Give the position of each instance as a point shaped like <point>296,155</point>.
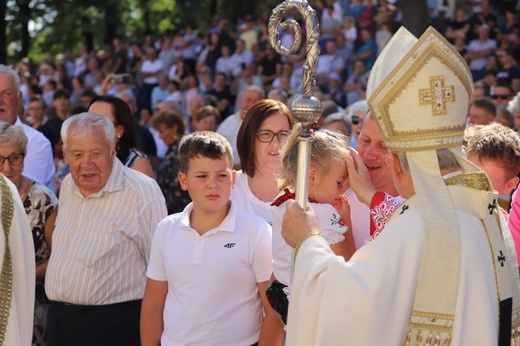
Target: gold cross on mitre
<point>437,95</point>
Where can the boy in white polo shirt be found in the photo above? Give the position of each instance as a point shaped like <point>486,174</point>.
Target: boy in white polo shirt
<point>209,265</point>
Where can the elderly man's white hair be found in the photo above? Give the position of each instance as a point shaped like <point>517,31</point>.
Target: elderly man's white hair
<point>85,125</point>
<point>513,106</point>
<point>130,95</point>
<point>358,106</point>
<point>254,88</point>
<point>10,71</point>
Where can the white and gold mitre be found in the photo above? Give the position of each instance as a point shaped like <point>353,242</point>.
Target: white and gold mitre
<point>426,79</point>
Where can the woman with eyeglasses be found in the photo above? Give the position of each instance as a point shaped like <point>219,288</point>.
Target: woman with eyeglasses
<point>40,205</point>
<point>265,129</point>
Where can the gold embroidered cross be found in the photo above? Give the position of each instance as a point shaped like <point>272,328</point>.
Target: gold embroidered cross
<point>437,95</point>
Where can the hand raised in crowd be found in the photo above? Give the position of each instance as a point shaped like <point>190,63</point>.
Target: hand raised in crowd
<point>107,84</point>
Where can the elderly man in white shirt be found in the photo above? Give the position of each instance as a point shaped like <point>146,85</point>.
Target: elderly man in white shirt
<point>101,243</point>
<point>38,163</point>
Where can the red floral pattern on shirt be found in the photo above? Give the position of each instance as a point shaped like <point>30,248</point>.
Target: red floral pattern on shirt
<point>381,208</point>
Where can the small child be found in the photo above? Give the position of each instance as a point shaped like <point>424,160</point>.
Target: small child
<point>209,265</point>
<point>327,182</point>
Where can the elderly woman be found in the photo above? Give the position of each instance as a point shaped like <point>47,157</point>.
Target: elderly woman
<point>356,113</point>
<point>40,206</point>
<point>127,147</point>
<point>265,129</point>
<point>171,127</point>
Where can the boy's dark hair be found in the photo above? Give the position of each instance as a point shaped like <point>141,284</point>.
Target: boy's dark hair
<point>202,144</point>
<point>37,98</point>
<point>61,93</point>
<point>498,143</point>
<point>486,104</point>
<point>89,93</point>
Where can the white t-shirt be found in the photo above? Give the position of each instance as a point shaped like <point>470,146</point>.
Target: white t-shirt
<point>330,226</point>
<point>225,65</point>
<point>212,279</point>
<point>477,46</point>
<point>248,202</point>
<point>38,162</point>
<point>229,129</point>
<point>150,67</point>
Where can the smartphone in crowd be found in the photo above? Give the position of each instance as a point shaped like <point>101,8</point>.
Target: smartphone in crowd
<point>121,78</point>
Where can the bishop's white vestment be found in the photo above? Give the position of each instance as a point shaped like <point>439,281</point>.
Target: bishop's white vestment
<point>368,300</point>
<point>20,311</point>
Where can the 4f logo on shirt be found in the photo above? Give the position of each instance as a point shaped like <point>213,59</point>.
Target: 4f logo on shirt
<point>229,245</point>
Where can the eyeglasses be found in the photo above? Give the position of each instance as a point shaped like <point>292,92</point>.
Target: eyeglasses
<point>356,120</point>
<point>502,97</point>
<point>14,159</point>
<point>267,136</point>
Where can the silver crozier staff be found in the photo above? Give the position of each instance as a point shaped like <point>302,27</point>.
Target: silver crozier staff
<point>306,109</point>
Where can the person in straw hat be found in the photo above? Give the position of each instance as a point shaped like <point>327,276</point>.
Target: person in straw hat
<point>443,272</point>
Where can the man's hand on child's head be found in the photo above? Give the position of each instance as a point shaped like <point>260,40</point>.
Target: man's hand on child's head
<point>358,177</point>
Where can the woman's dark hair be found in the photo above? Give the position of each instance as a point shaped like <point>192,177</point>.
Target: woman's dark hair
<point>123,116</point>
<point>246,137</point>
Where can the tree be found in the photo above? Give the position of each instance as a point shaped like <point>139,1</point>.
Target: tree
<point>3,32</point>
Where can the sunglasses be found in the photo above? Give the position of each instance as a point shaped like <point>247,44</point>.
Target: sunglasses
<point>502,97</point>
<point>356,120</point>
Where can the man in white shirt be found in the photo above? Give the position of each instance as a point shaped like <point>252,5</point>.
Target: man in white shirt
<point>241,56</point>
<point>230,126</point>
<point>38,163</point>
<point>478,51</point>
<point>150,71</point>
<point>101,243</point>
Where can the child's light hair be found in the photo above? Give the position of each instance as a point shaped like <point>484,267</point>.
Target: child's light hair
<point>326,147</point>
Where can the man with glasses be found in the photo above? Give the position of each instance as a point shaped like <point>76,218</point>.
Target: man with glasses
<point>502,93</point>
<point>39,165</point>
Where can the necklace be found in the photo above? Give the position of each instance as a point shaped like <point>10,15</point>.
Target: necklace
<point>26,184</point>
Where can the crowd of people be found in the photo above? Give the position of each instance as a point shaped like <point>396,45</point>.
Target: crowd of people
<point>155,176</point>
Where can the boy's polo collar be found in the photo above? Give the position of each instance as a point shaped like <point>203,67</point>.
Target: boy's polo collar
<point>227,225</point>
